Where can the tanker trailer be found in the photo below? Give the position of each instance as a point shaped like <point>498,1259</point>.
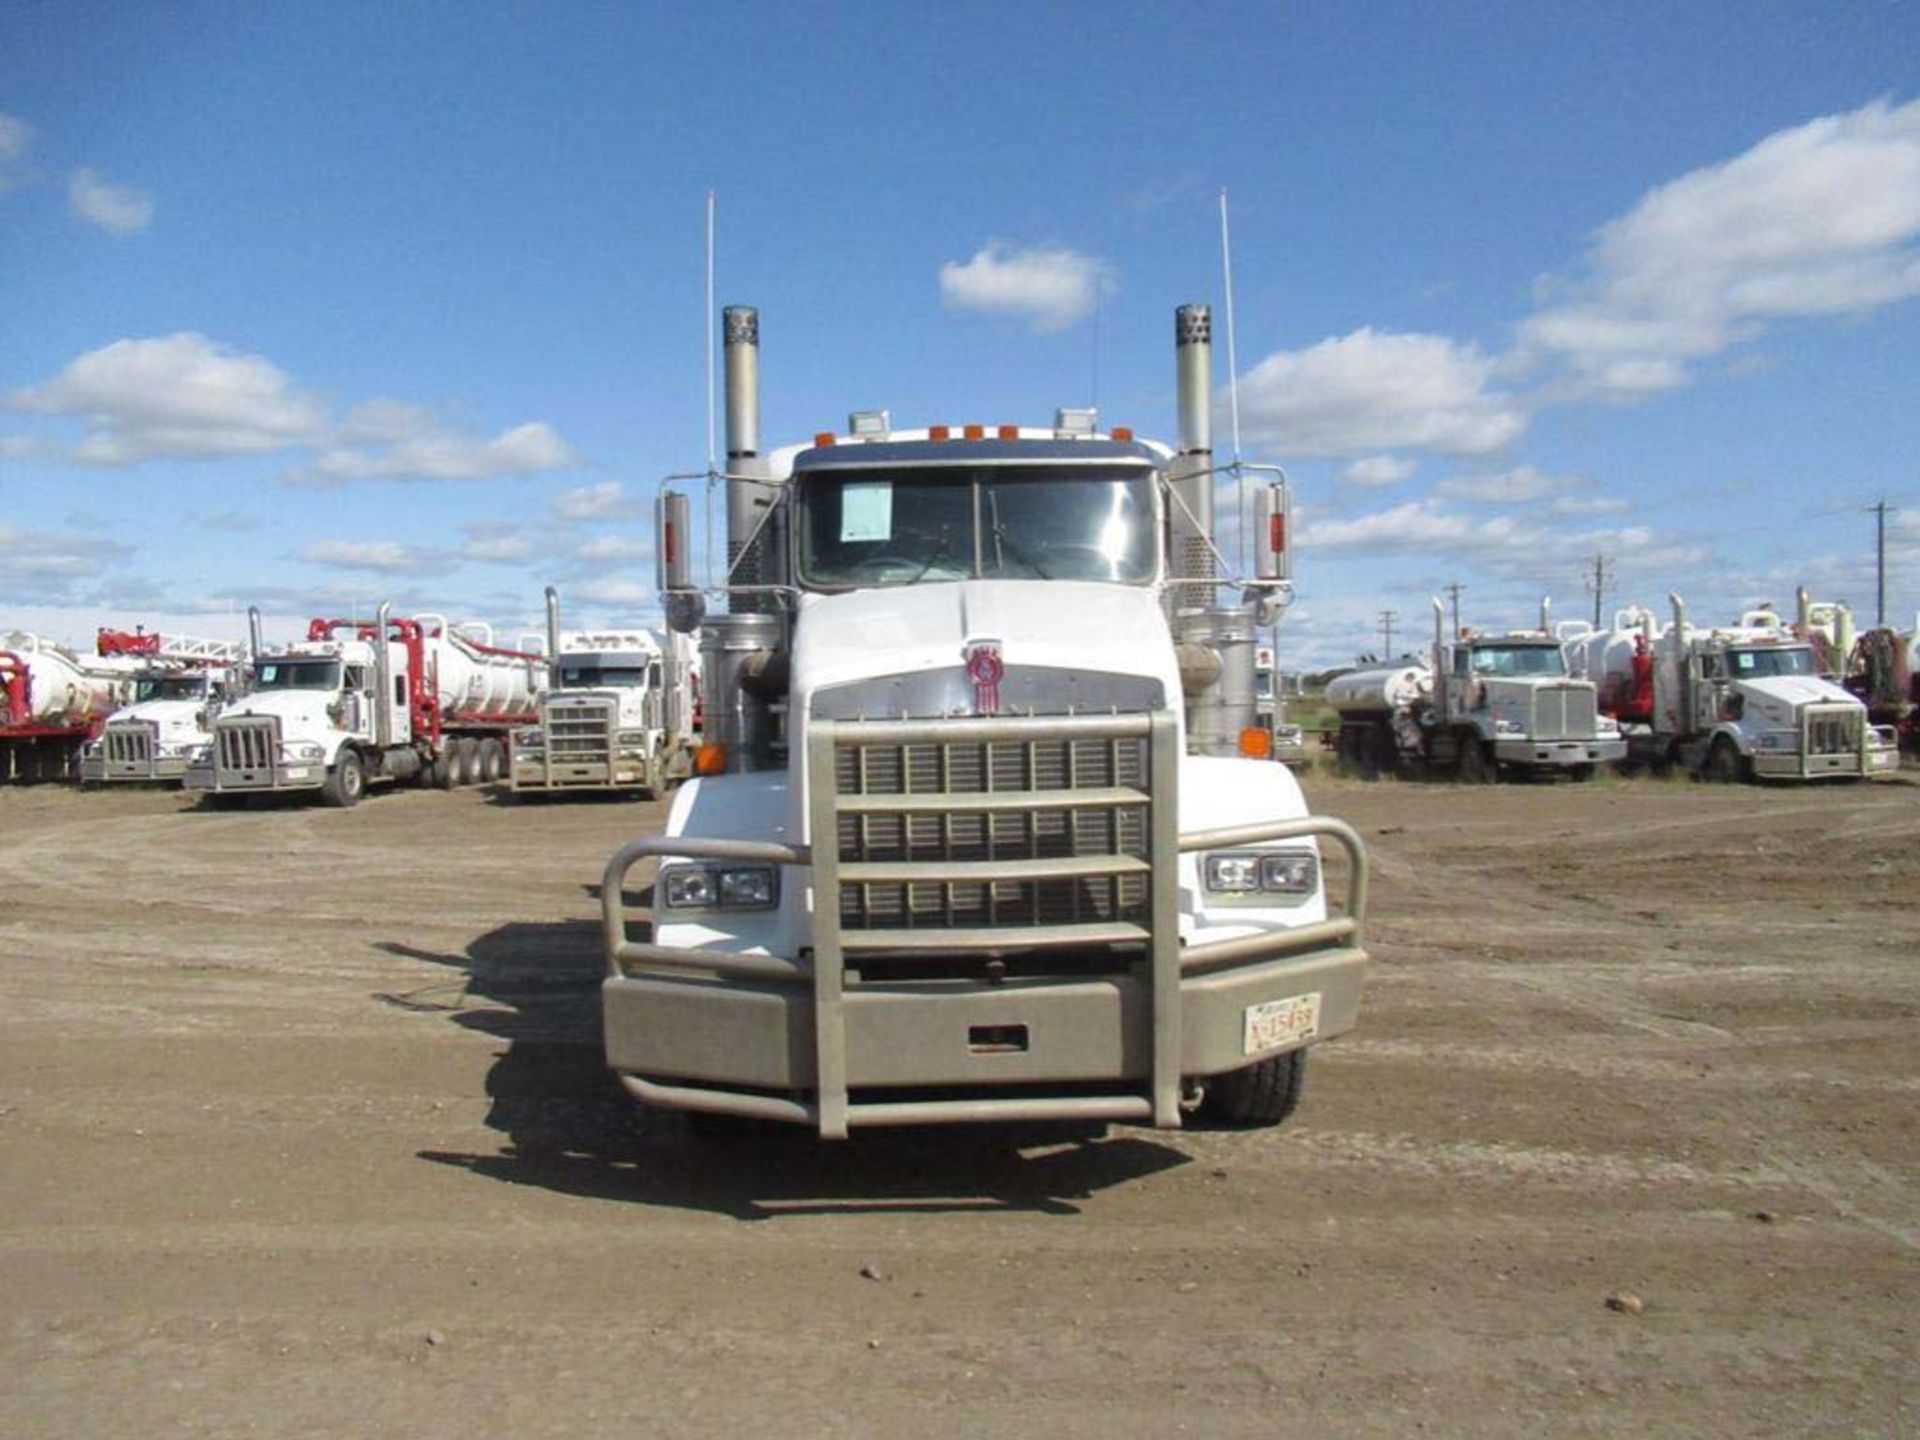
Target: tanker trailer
<point>52,702</point>
<point>426,704</point>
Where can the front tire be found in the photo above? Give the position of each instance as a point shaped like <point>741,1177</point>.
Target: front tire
<point>1262,1094</point>
<point>1475,766</point>
<point>1724,764</point>
<point>346,782</point>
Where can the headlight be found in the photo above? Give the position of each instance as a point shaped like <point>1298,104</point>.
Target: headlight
<point>200,755</point>
<point>1506,727</point>
<point>1275,872</point>
<point>721,887</point>
<point>306,752</point>
<point>632,737</point>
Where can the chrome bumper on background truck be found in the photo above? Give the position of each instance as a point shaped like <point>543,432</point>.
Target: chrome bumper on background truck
<point>879,1022</point>
<point>1559,753</point>
<point>130,752</point>
<point>579,750</point>
<point>247,756</point>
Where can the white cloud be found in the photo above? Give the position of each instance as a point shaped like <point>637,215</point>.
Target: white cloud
<point>119,209</point>
<point>1510,487</point>
<point>1050,289</point>
<point>1821,219</point>
<point>1376,470</point>
<point>1374,390</point>
<point>184,396</point>
<point>497,549</point>
<point>1508,545</point>
<point>616,592</point>
<point>601,501</point>
<point>386,557</point>
<point>54,567</point>
<point>614,549</point>
<point>180,396</point>
<point>441,455</point>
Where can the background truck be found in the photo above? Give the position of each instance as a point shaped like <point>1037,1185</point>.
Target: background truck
<point>1006,859</point>
<point>1883,673</point>
<point>1270,709</point>
<point>1482,704</point>
<point>53,700</point>
<point>184,681</point>
<point>617,713</point>
<point>399,700</point>
<point>1730,703</point>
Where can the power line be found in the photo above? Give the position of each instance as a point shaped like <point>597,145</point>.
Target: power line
<point>1387,617</point>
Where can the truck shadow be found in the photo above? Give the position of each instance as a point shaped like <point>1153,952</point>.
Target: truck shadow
<point>567,1125</point>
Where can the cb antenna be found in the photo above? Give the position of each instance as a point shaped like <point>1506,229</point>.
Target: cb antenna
<point>1233,364</point>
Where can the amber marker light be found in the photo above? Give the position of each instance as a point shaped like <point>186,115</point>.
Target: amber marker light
<point>939,432</point>
<point>710,760</point>
<point>1123,432</point>
<point>1256,744</point>
<point>974,432</point>
<point>1009,432</point>
<point>825,437</point>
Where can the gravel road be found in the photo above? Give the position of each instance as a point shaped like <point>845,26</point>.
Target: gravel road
<point>306,1133</point>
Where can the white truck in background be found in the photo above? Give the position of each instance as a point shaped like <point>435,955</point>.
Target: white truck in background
<point>356,704</point>
<point>185,681</point>
<point>617,713</point>
<point>1270,709</point>
<point>1728,703</point>
<point>1483,704</point>
<point>1007,860</point>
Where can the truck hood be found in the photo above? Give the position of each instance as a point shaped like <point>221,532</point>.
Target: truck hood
<point>1067,625</point>
<point>172,717</point>
<point>300,712</point>
<point>1782,695</point>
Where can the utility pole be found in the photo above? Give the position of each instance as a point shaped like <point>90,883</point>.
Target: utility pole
<point>1598,585</point>
<point>1880,564</point>
<point>1387,617</point>
<point>1453,595</point>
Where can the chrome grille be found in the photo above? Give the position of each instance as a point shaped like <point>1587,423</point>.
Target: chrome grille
<point>578,731</point>
<point>1036,799</point>
<point>249,743</point>
<point>130,742</point>
<point>1563,712</point>
<point>1835,731</point>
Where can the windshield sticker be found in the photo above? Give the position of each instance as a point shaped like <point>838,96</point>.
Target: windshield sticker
<point>866,510</point>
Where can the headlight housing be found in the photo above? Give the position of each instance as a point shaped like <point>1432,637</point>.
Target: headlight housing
<point>718,886</point>
<point>631,737</point>
<point>1243,873</point>
<point>528,739</point>
<point>306,751</point>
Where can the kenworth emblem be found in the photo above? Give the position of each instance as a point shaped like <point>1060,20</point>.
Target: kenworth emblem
<point>986,669</point>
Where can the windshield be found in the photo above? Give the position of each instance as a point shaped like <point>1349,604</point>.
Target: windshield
<point>1518,660</point>
<point>582,675</point>
<point>172,687</point>
<point>899,527</point>
<point>315,674</point>
<point>1756,664</point>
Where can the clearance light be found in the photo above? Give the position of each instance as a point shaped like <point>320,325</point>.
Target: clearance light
<point>824,438</point>
<point>710,760</point>
<point>974,432</point>
<point>1256,743</point>
<point>1123,432</point>
<point>1009,432</point>
<point>939,432</point>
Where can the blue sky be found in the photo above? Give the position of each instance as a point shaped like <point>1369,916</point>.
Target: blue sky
<point>310,306</point>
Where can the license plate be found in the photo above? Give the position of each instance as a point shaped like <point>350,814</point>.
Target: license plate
<point>296,772</point>
<point>1274,1023</point>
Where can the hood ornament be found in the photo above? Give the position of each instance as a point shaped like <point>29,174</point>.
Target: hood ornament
<point>986,670</point>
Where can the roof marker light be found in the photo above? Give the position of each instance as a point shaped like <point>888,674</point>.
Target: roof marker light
<point>939,432</point>
<point>1123,432</point>
<point>824,438</point>
<point>1009,432</point>
<point>974,432</point>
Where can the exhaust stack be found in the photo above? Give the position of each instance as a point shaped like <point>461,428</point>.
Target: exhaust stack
<point>254,642</point>
<point>1192,557</point>
<point>553,637</point>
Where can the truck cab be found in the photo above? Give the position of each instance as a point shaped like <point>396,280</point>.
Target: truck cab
<point>1513,693</point>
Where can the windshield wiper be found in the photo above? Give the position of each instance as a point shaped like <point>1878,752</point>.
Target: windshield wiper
<point>1000,539</point>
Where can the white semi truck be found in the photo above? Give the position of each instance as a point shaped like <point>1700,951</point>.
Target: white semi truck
<point>357,704</point>
<point>1006,861</point>
<point>1729,703</point>
<point>1483,704</point>
<point>53,700</point>
<point>617,713</point>
<point>185,681</point>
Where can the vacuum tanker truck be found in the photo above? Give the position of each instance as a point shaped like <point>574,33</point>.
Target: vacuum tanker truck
<point>1729,703</point>
<point>357,704</point>
<point>617,713</point>
<point>185,681</point>
<point>1483,704</point>
<point>53,700</point>
<point>1005,858</point>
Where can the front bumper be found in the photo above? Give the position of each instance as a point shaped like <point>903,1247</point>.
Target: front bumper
<point>538,773</point>
<point>1872,763</point>
<point>306,775</point>
<point>1559,754</point>
<point>99,770</point>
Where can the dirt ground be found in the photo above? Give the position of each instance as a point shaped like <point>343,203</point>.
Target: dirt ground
<point>304,1132</point>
